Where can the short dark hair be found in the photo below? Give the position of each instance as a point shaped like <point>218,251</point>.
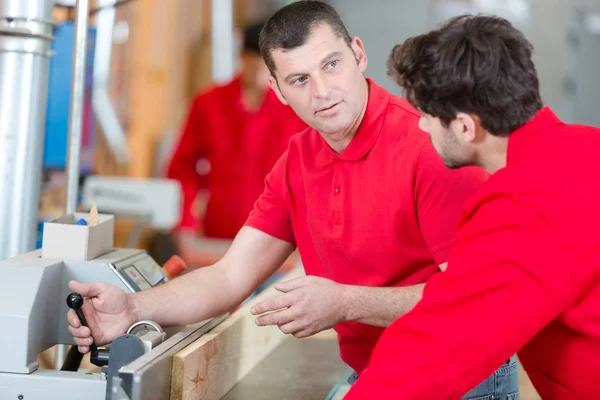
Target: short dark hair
<point>251,37</point>
<point>291,26</point>
<point>475,64</point>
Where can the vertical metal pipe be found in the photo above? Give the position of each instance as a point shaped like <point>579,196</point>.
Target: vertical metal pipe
<point>76,106</point>
<point>25,43</point>
<point>75,123</point>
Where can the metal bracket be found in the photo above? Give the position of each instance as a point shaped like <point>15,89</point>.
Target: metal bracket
<point>149,377</point>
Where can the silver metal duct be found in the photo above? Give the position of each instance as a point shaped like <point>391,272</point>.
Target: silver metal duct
<point>25,43</point>
<point>76,106</point>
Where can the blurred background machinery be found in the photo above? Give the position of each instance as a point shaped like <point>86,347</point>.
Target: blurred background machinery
<point>145,60</point>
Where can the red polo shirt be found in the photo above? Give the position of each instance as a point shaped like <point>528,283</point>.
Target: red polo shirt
<point>381,213</point>
<point>524,276</point>
<point>241,147</point>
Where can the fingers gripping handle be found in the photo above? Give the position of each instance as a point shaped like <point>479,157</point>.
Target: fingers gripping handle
<point>75,301</point>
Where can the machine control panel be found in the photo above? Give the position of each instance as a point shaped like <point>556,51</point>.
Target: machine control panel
<point>141,272</point>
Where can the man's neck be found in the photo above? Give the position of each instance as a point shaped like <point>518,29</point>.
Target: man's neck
<point>339,141</point>
<point>252,98</point>
<point>492,155</point>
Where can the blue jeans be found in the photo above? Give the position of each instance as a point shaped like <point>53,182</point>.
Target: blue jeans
<point>501,385</point>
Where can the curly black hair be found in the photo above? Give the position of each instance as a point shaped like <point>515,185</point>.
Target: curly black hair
<point>474,64</point>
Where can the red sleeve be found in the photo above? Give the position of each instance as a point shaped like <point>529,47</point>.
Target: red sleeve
<point>502,286</point>
<point>271,213</point>
<point>192,146</point>
<point>440,194</point>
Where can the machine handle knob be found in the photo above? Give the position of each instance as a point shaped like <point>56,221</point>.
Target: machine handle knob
<point>75,301</point>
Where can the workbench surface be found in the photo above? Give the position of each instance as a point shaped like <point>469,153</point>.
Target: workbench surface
<point>302,369</point>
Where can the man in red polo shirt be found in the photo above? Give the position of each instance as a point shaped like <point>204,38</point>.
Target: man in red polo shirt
<point>241,129</point>
<point>527,259</point>
<point>362,194</point>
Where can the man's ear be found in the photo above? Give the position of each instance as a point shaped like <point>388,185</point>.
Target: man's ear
<point>275,86</point>
<point>465,127</point>
<point>360,53</point>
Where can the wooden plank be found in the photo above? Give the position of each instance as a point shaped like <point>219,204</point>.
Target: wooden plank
<point>212,365</point>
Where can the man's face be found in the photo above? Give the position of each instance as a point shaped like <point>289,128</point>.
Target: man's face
<point>255,73</point>
<point>322,80</point>
<point>448,141</point>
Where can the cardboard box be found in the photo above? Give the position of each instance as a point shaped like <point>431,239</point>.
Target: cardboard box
<point>64,240</point>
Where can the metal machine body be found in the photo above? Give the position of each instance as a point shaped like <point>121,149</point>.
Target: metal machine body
<point>32,299</point>
<point>33,316</point>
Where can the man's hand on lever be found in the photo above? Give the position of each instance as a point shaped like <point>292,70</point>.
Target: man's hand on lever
<point>108,311</point>
<point>201,294</point>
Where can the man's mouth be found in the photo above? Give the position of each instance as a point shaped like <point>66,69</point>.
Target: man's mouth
<point>324,110</point>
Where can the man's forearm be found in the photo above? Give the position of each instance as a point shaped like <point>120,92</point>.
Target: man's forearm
<point>380,306</point>
<point>194,297</point>
<point>205,245</point>
<point>214,290</point>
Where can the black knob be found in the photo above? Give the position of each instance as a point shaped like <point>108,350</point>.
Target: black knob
<point>74,300</point>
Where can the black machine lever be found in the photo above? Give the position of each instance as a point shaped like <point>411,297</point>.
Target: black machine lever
<point>97,357</point>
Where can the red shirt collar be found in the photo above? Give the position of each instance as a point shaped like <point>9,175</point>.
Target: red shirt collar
<point>517,143</point>
<point>367,133</point>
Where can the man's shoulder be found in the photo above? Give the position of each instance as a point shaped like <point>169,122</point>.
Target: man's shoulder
<point>502,185</point>
<point>303,148</point>
<point>396,105</point>
<point>306,139</point>
<point>217,90</point>
<point>401,127</point>
<point>401,120</point>
<point>400,106</point>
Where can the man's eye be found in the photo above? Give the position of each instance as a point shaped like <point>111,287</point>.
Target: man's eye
<point>299,81</point>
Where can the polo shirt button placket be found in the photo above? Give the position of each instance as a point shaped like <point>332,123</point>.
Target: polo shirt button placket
<point>337,206</point>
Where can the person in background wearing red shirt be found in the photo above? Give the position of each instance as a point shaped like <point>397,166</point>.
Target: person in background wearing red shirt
<point>525,272</point>
<point>239,130</point>
<point>361,193</point>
